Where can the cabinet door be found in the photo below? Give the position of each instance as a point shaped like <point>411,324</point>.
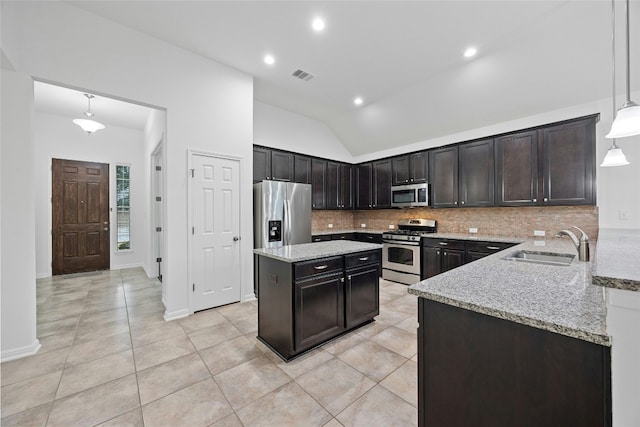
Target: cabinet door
<point>281,166</point>
<point>363,193</point>
<point>418,167</point>
<point>333,180</point>
<point>517,169</point>
<point>362,295</point>
<point>381,179</point>
<point>318,182</point>
<point>476,174</point>
<point>443,173</point>
<point>400,170</point>
<point>261,164</point>
<point>346,186</point>
<point>319,310</point>
<point>302,169</point>
<point>568,164</point>
<point>451,259</point>
<point>431,262</point>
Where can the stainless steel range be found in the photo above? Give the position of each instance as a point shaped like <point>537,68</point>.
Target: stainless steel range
<point>401,250</point>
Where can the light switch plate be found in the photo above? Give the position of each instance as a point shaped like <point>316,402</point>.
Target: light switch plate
<point>473,230</point>
<point>391,226</point>
<point>363,225</point>
<point>330,225</point>
<point>539,233</point>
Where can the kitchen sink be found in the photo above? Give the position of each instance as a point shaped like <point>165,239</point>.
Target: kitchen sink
<point>548,258</point>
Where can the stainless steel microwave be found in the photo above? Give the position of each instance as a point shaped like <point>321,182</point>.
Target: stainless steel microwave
<point>410,196</point>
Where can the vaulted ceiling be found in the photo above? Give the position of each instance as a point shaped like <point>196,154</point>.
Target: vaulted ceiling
<point>404,58</point>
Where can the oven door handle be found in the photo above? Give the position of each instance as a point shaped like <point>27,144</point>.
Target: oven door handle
<point>397,243</point>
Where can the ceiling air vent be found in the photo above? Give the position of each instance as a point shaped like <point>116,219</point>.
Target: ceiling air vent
<point>302,75</point>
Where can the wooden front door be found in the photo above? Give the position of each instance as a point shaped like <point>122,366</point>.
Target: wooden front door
<point>80,210</point>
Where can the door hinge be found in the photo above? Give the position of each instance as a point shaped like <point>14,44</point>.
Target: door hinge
<point>193,230</point>
<point>158,168</point>
<point>158,228</point>
<point>193,173</point>
<point>158,199</point>
<point>194,287</point>
<point>158,259</point>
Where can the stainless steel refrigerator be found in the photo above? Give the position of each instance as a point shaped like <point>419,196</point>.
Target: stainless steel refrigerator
<point>281,214</point>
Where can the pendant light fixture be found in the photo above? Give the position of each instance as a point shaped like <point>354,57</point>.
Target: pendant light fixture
<point>89,125</point>
<point>615,156</point>
<point>627,120</point>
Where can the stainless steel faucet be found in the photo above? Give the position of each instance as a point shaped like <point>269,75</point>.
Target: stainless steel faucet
<point>582,244</point>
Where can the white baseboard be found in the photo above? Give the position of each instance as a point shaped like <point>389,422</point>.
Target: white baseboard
<point>43,275</point>
<point>148,271</point>
<point>249,297</point>
<point>125,266</point>
<point>20,352</point>
<point>174,315</point>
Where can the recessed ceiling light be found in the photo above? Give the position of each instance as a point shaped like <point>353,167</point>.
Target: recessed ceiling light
<point>318,24</point>
<point>471,51</point>
<point>358,101</point>
<point>269,60</point>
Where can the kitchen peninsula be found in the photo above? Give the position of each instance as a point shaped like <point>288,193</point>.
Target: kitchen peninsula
<point>311,293</point>
<point>512,343</point>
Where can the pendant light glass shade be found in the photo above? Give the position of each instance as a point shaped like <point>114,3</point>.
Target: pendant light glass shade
<point>88,125</point>
<point>614,157</point>
<point>627,122</point>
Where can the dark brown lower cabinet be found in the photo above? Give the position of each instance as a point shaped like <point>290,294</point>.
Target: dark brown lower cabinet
<point>303,304</point>
<point>477,370</point>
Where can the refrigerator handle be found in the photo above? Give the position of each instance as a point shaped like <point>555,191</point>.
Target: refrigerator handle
<point>286,224</point>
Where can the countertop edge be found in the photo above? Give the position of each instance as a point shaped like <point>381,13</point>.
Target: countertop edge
<point>616,283</point>
<point>604,340</point>
<point>361,247</point>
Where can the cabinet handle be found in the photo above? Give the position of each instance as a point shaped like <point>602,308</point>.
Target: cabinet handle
<point>320,267</point>
<point>444,243</point>
<point>437,252</point>
<point>462,202</point>
<point>445,254</point>
<point>493,247</point>
<point>342,279</point>
<point>349,277</point>
<point>364,258</point>
<point>370,237</point>
<point>534,200</point>
<point>455,203</point>
<point>546,200</point>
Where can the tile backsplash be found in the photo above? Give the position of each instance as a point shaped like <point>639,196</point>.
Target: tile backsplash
<point>503,221</point>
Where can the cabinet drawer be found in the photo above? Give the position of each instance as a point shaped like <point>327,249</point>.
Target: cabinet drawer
<point>318,266</point>
<point>343,236</point>
<point>362,258</point>
<point>443,243</point>
<point>321,238</point>
<point>488,247</point>
<point>369,237</point>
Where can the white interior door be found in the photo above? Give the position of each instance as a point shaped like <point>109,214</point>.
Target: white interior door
<point>215,231</point>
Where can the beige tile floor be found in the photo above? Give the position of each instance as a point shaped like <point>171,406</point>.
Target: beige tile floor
<point>108,358</point>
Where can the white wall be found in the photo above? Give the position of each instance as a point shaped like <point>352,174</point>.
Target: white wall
<point>209,105</point>
<point>18,287</point>
<point>278,128</point>
<point>57,137</point>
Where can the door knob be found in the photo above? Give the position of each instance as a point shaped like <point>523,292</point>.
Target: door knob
<point>106,229</point>
<point>236,238</point>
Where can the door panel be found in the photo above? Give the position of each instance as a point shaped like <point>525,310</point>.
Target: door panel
<point>80,216</point>
<point>215,210</point>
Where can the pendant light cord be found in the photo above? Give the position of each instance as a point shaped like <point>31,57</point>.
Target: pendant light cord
<point>613,61</point>
<point>628,57</point>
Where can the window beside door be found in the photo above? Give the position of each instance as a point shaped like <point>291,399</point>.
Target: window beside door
<point>123,207</point>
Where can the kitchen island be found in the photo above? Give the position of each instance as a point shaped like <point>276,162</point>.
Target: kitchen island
<point>311,293</point>
<point>513,343</point>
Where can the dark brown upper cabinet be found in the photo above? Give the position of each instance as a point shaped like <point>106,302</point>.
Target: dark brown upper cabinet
<point>364,199</point>
<point>302,169</point>
<point>552,165</point>
<point>373,185</point>
<point>318,184</point>
<point>517,169</point>
<point>476,174</point>
<point>381,180</point>
<point>339,185</point>
<point>568,163</point>
<point>272,164</point>
<point>409,169</point>
<point>261,164</point>
<point>443,177</point>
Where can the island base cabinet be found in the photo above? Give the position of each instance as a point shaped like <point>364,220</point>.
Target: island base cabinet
<point>362,295</point>
<point>319,313</point>
<point>478,370</point>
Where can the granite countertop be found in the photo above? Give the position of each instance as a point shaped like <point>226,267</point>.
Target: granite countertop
<point>554,298</point>
<point>308,251</point>
<point>618,262</point>
<point>348,230</point>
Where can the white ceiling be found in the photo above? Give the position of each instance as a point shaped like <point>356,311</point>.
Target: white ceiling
<point>72,103</point>
<point>403,57</point>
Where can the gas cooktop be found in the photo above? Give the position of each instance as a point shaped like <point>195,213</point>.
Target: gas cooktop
<point>411,229</point>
